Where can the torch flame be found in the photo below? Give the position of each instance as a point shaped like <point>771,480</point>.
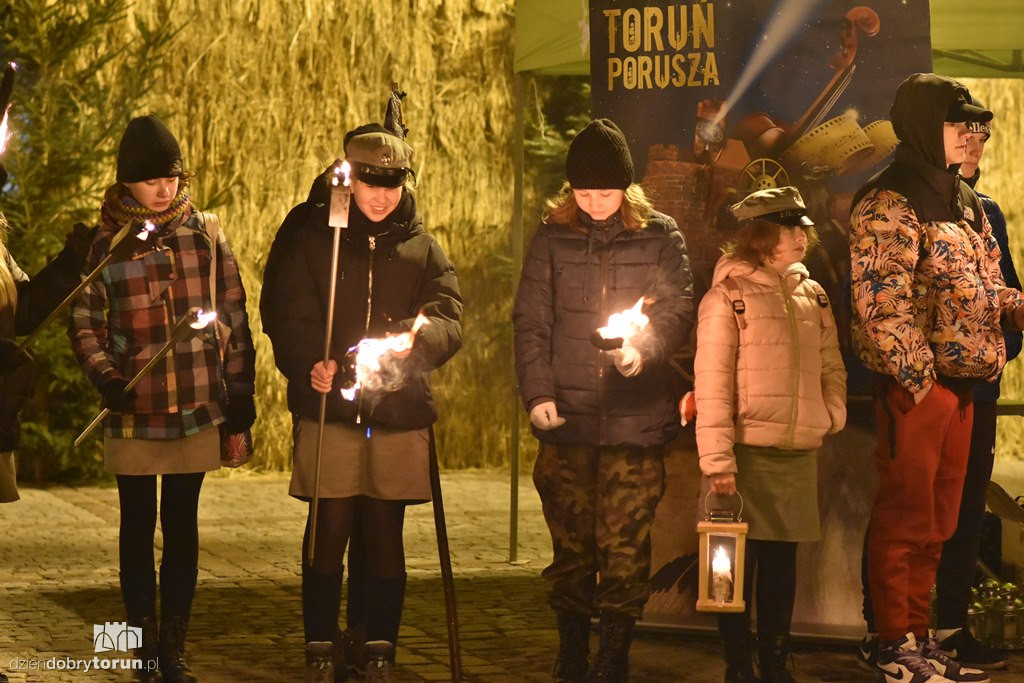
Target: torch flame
<point>341,174</point>
<point>203,319</point>
<point>4,134</point>
<point>370,353</point>
<point>146,230</point>
<point>625,324</point>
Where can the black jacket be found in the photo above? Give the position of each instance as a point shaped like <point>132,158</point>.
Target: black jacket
<point>410,274</point>
<point>571,283</point>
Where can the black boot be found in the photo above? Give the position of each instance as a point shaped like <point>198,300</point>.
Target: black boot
<point>138,592</point>
<point>319,662</point>
<point>739,660</point>
<point>573,646</point>
<point>383,609</point>
<point>177,588</point>
<point>612,661</point>
<point>772,653</point>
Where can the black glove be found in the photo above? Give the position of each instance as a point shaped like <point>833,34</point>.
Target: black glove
<point>115,398</point>
<point>12,356</point>
<point>78,241</point>
<point>241,413</point>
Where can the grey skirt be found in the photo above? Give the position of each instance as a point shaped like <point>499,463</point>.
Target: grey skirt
<point>780,493</point>
<point>387,464</point>
<point>197,453</point>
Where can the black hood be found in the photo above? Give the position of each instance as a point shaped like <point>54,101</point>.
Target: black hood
<point>919,111</point>
<point>919,170</point>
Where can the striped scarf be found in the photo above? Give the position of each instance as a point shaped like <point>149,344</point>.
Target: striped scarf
<point>120,207</point>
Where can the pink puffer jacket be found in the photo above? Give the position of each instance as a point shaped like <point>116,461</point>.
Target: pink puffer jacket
<point>777,382</point>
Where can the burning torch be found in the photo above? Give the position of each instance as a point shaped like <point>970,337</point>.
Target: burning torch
<point>341,198</point>
<point>122,246</point>
<point>192,322</point>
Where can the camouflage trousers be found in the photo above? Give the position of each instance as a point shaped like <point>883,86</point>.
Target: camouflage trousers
<point>599,505</point>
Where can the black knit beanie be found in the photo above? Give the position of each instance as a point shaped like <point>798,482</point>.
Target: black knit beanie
<point>599,158</point>
<point>147,151</point>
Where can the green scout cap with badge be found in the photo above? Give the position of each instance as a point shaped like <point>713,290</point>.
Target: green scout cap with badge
<point>782,205</point>
<point>378,157</point>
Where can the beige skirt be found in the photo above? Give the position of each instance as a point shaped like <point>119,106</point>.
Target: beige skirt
<point>381,463</point>
<point>197,453</point>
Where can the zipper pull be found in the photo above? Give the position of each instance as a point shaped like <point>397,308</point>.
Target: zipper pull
<point>373,242</point>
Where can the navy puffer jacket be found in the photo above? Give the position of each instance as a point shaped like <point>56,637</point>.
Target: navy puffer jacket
<point>571,282</point>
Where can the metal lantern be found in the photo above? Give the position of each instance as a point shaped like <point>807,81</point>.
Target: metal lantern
<point>977,617</point>
<point>723,542</point>
<point>1006,620</point>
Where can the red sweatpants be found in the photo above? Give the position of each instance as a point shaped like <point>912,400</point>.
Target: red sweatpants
<point>921,459</point>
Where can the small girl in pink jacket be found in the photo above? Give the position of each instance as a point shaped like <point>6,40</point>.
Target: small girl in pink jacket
<point>770,384</point>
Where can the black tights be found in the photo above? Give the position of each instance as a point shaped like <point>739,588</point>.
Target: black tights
<point>380,520</point>
<point>179,507</point>
<point>376,567</point>
<point>772,566</point>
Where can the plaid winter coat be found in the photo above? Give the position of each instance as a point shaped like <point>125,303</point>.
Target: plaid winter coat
<point>121,321</point>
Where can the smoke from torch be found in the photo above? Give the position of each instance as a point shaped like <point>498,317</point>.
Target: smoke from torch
<point>370,370</point>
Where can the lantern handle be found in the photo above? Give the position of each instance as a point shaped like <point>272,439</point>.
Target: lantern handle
<point>707,510</point>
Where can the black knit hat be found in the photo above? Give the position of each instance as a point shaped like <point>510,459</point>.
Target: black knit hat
<point>147,151</point>
<point>599,158</point>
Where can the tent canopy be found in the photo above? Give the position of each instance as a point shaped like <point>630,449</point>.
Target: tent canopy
<point>977,39</point>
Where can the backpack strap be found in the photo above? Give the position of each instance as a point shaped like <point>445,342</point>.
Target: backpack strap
<point>823,302</point>
<point>211,223</point>
<point>736,296</point>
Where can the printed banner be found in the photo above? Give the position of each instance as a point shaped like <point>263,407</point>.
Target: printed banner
<point>721,98</point>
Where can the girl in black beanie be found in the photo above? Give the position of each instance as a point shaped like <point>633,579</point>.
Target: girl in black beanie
<point>602,417</point>
<point>166,425</point>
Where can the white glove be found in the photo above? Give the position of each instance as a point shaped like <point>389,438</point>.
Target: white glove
<point>544,416</point>
<point>628,361</point>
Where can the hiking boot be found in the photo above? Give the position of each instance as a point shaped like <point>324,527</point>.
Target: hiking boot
<point>964,648</point>
<point>902,662</point>
<point>380,667</point>
<point>319,664</point>
<point>950,668</point>
<point>612,660</point>
<point>867,652</point>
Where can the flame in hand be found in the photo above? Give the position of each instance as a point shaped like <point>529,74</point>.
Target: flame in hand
<point>371,355</point>
<point>626,324</point>
<point>145,231</point>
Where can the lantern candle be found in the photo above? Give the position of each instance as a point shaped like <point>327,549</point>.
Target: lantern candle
<point>721,569</point>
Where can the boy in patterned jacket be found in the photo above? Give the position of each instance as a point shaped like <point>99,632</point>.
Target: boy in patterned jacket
<point>929,309</point>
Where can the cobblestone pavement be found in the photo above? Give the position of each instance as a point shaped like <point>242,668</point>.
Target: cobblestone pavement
<point>58,577</point>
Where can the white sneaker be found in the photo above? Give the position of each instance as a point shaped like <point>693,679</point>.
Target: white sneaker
<point>902,662</point>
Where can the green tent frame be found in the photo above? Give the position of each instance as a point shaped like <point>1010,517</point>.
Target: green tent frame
<point>975,39</point>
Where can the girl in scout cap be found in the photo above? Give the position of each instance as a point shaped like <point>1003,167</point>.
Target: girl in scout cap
<point>375,442</point>
<point>166,425</point>
<point>770,384</point>
<point>602,417</point>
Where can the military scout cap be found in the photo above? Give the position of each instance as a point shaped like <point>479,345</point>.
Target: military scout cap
<point>378,157</point>
<point>782,205</point>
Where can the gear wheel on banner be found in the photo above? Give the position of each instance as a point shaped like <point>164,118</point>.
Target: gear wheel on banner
<point>761,174</point>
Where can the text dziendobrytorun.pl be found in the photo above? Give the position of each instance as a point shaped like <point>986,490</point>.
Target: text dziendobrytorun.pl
<point>86,665</point>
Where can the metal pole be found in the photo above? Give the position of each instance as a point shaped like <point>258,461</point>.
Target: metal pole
<point>447,579</point>
<point>341,197</point>
<point>335,257</point>
<point>517,264</point>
